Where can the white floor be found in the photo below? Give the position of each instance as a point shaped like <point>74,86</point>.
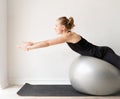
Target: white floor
<point>10,93</point>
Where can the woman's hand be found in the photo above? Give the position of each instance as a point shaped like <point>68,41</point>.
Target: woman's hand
<point>26,46</point>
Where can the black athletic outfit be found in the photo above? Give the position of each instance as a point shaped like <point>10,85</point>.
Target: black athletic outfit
<point>86,48</point>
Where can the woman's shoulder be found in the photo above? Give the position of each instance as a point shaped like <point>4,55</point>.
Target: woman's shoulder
<point>73,37</point>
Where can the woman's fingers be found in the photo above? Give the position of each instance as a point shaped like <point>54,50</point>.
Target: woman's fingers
<point>18,46</point>
<point>25,48</point>
<point>25,45</point>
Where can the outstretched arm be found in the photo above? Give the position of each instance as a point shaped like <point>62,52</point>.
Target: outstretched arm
<point>30,45</point>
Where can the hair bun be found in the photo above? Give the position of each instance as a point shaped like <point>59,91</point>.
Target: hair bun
<point>71,22</point>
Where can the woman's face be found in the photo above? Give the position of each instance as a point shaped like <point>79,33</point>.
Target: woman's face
<point>59,28</point>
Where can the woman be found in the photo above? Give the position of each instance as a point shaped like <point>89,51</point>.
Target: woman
<point>76,42</point>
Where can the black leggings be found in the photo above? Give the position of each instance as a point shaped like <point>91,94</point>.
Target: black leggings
<point>111,57</point>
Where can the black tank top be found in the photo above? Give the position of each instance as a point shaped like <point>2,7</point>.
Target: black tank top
<point>86,48</point>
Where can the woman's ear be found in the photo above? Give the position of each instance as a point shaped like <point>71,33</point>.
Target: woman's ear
<point>63,27</point>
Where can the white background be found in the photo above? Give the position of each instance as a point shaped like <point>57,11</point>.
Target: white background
<point>3,44</point>
<point>33,20</point>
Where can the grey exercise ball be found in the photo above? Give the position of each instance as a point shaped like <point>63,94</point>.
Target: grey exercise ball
<point>94,76</point>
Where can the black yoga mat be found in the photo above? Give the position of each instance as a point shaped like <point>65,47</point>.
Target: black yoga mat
<point>50,90</point>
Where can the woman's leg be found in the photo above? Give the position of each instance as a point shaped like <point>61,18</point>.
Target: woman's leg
<point>112,58</point>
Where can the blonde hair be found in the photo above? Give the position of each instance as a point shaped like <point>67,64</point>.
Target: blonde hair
<point>67,22</point>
